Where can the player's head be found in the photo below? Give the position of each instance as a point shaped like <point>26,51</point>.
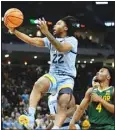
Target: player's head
<point>64,25</point>
<point>104,74</point>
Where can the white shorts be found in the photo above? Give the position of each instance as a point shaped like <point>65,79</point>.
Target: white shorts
<point>59,82</point>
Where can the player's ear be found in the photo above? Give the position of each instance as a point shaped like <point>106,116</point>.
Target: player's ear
<point>65,28</point>
<point>108,77</point>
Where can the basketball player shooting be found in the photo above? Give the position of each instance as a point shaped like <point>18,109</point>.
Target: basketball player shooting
<point>63,51</point>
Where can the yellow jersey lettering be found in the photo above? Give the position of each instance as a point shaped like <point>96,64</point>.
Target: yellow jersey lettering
<point>106,98</point>
<point>99,107</point>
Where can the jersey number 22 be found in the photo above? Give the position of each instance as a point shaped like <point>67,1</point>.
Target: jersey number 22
<point>58,58</point>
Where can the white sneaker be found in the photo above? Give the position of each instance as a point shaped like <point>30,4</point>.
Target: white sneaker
<point>27,121</point>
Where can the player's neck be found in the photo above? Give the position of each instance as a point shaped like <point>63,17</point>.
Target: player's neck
<point>62,35</point>
<point>104,85</point>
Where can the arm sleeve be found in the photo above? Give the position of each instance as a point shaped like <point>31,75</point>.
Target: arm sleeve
<point>46,42</point>
<point>74,43</point>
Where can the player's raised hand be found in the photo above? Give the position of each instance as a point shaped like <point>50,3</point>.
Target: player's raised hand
<point>72,127</point>
<point>42,26</point>
<point>11,29</point>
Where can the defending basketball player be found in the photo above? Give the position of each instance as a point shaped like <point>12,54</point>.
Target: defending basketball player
<point>52,104</point>
<point>63,51</point>
<point>100,103</point>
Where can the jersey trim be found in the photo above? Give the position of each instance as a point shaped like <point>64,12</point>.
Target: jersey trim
<point>65,86</point>
<point>51,78</point>
<point>104,89</point>
<point>73,52</point>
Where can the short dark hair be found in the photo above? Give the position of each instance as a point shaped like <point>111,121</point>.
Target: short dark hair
<point>70,20</point>
<point>111,72</point>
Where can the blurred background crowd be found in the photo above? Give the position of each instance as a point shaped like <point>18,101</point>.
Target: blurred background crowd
<point>17,82</point>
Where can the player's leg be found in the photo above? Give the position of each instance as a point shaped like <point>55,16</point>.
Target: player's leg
<point>65,96</point>
<point>65,86</point>
<point>69,113</point>
<point>41,86</point>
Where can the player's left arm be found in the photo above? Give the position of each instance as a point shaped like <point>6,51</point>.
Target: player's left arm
<point>60,47</point>
<point>108,106</point>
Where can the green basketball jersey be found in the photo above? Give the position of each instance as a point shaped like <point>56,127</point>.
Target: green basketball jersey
<point>97,113</point>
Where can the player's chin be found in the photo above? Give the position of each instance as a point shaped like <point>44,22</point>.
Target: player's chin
<point>98,80</point>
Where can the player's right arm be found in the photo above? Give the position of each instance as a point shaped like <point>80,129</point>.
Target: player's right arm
<point>33,41</point>
<point>81,108</point>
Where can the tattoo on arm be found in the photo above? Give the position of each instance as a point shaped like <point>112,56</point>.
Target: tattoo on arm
<point>53,41</point>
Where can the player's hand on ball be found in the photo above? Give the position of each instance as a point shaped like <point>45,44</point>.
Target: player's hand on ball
<point>72,127</point>
<point>42,26</point>
<point>13,18</point>
<point>95,98</point>
<point>11,30</point>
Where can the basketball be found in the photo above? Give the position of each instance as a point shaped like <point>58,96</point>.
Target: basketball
<point>13,17</point>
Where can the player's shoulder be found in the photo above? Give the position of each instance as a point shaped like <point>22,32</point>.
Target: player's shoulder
<point>113,89</point>
<point>89,91</point>
<point>72,38</point>
<point>45,40</point>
